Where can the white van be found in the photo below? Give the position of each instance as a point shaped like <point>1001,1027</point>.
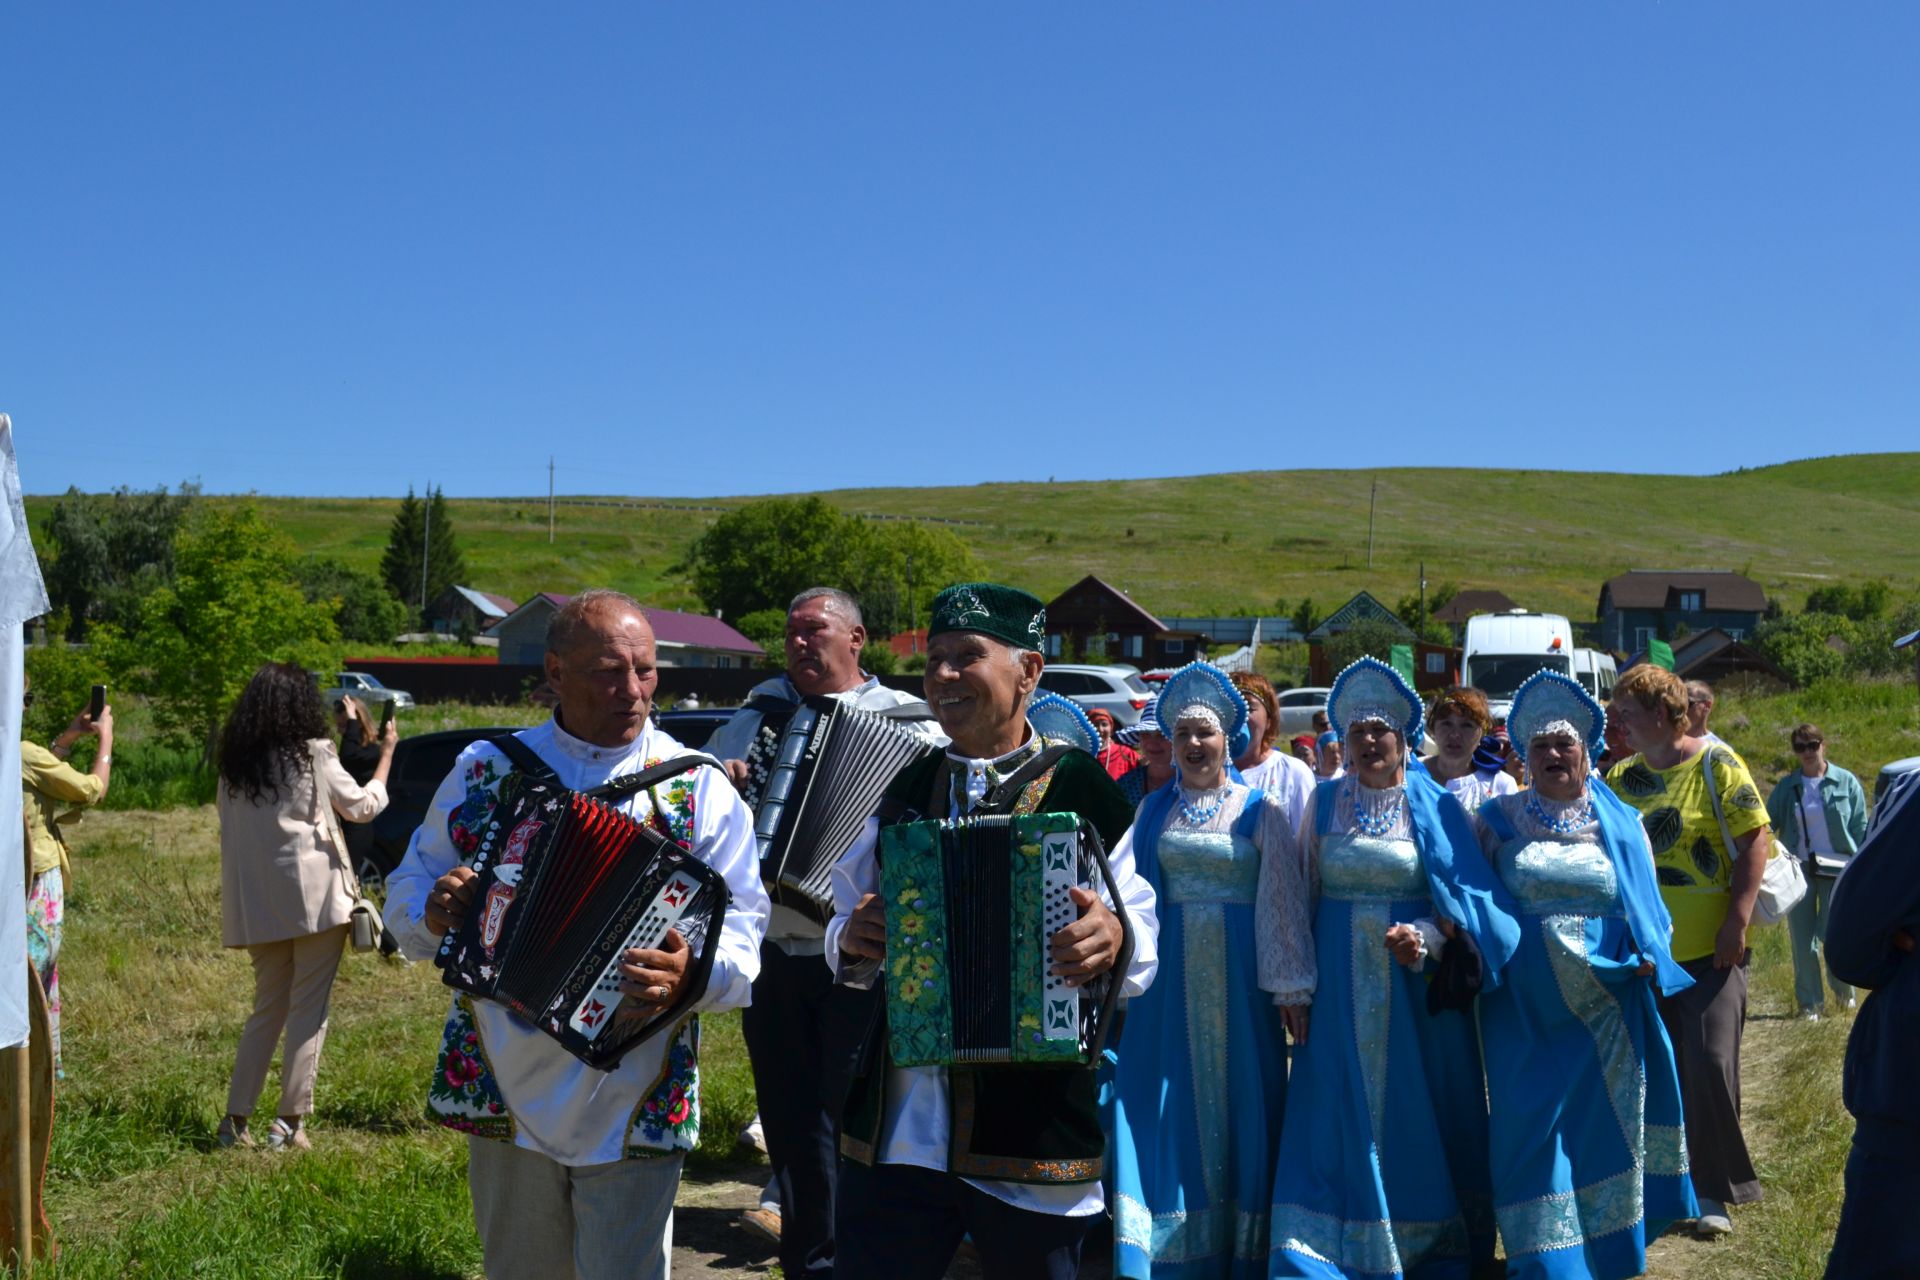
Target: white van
<point>1595,671</point>
<point>1503,649</point>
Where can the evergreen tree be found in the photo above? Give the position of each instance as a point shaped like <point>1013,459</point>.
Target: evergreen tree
<point>421,529</point>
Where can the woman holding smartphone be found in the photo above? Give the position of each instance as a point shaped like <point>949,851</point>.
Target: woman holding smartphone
<point>286,884</point>
<point>54,796</point>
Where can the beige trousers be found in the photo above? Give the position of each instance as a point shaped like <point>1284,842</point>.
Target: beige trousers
<point>612,1221</point>
<point>292,981</point>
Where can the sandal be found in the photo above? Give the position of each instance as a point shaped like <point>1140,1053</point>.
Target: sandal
<point>282,1136</point>
<point>234,1135</point>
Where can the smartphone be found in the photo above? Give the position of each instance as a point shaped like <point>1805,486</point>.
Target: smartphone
<point>97,703</point>
<point>386,715</point>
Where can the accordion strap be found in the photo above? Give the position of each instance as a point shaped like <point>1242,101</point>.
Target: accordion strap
<point>526,760</point>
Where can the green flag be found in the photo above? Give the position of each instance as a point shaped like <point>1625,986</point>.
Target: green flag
<point>1401,660</point>
<point>1660,654</point>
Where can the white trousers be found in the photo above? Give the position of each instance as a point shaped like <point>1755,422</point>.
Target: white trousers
<point>612,1220</point>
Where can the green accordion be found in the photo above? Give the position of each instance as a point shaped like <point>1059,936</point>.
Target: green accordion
<point>972,906</point>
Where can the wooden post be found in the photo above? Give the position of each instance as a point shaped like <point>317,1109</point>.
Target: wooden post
<point>23,1157</point>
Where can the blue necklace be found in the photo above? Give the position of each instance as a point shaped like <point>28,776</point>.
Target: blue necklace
<point>1198,815</point>
<point>1571,821</point>
<point>1380,820</point>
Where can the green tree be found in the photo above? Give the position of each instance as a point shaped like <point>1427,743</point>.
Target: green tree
<point>365,611</point>
<point>62,677</point>
<point>1369,637</point>
<point>761,555</point>
<point>768,629</point>
<point>1867,601</point>
<point>1305,616</point>
<point>902,565</point>
<point>764,553</point>
<point>421,531</point>
<point>100,554</point>
<point>1807,646</point>
<point>233,605</point>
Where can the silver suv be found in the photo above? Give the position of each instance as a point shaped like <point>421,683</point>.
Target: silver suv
<point>1119,691</point>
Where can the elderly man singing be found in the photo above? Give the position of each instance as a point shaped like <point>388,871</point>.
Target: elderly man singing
<point>802,1031</point>
<point>1011,1155</point>
<point>573,1170</point>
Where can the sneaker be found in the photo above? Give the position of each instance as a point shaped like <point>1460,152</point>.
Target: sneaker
<point>1809,1013</point>
<point>282,1136</point>
<point>763,1220</point>
<point>1851,1004</point>
<point>1713,1221</point>
<point>754,1136</point>
<point>234,1135</point>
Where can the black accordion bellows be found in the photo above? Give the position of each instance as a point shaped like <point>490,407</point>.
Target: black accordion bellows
<point>567,883</point>
<point>823,778</point>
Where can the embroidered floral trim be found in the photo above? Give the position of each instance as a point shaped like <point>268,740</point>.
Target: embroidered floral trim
<point>668,1117</point>
<point>468,823</point>
<point>463,1093</point>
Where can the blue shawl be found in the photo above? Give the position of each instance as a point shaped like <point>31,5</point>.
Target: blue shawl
<point>1625,841</point>
<point>1463,887</point>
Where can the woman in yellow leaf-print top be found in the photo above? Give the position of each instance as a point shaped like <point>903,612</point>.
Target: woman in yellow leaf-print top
<point>1708,880</point>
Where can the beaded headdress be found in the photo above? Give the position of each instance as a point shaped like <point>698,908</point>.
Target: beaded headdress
<point>1549,702</point>
<point>1058,720</point>
<point>1370,690</point>
<point>1201,689</point>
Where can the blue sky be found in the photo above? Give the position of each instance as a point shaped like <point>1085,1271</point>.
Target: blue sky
<point>741,248</point>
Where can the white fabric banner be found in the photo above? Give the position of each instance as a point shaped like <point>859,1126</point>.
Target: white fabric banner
<point>22,596</point>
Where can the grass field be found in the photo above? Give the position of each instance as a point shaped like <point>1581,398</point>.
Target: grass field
<point>154,1008</point>
<point>1238,542</point>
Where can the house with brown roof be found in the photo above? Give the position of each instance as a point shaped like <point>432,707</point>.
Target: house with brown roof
<point>679,639</point>
<point>467,609</point>
<point>1658,604</point>
<point>1098,622</point>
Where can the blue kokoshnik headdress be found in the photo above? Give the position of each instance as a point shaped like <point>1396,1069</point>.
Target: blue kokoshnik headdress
<point>1370,690</point>
<point>1549,702</point>
<point>1204,690</point>
<point>1130,736</point>
<point>1058,720</point>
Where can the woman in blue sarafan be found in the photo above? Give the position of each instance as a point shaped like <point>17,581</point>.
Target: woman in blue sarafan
<point>1589,1157</point>
<point>1202,1076</point>
<point>1383,1155</point>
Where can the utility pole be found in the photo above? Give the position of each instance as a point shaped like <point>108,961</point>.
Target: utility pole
<point>549,499</point>
<point>426,548</point>
<point>913,641</point>
<point>1372,493</point>
<point>1423,595</point>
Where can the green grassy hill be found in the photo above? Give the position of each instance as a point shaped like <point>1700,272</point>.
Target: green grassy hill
<point>1239,542</point>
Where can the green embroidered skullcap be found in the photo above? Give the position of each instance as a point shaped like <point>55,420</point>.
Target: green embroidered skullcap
<point>1005,613</point>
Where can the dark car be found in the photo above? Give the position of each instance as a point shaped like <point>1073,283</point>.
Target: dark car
<point>421,764</point>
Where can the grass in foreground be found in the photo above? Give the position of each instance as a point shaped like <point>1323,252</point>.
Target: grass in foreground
<point>154,1005</point>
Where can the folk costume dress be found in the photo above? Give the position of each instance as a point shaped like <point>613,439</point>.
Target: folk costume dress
<point>1589,1156</point>
<point>1202,1075</point>
<point>1382,1170</point>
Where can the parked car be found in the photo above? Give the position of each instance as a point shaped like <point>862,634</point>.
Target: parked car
<point>1117,690</point>
<point>693,727</point>
<point>1297,707</point>
<point>358,684</point>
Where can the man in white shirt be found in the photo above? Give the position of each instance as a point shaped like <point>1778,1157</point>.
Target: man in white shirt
<point>1009,1155</point>
<point>573,1170</point>
<point>803,1032</point>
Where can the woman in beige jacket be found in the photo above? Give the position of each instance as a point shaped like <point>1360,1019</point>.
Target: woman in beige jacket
<point>286,885</point>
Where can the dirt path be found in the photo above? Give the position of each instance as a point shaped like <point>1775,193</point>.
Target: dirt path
<point>711,1243</point>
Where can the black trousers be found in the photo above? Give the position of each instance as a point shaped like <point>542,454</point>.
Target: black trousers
<point>903,1222</point>
<point>803,1036</point>
<point>1876,1240</point>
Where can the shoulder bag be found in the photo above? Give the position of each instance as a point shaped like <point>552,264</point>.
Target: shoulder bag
<point>1782,884</point>
<point>366,929</point>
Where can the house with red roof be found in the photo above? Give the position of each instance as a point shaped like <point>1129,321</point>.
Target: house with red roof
<point>680,639</point>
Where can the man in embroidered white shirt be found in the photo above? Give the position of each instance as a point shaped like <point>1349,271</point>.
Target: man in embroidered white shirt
<point>573,1170</point>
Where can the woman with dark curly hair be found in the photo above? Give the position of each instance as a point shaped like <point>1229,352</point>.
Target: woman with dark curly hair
<point>286,887</point>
